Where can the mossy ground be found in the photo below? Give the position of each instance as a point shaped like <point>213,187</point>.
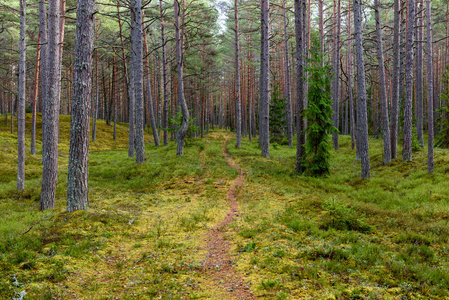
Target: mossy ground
<point>297,237</point>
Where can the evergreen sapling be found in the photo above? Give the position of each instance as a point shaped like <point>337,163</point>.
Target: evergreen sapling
<point>318,114</point>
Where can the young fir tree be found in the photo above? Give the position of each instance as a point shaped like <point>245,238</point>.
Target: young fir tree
<point>318,114</point>
<point>442,138</point>
<point>278,121</point>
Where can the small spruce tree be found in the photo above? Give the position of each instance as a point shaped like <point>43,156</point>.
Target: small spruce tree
<point>318,114</point>
<point>442,138</point>
<point>278,121</point>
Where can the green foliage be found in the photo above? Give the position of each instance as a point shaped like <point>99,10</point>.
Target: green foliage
<point>415,142</point>
<point>175,124</point>
<point>318,115</point>
<point>442,138</point>
<point>278,122</point>
<point>342,217</point>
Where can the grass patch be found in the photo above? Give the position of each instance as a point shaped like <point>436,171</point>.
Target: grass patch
<point>294,236</point>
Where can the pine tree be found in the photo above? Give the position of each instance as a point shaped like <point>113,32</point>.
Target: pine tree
<point>278,121</point>
<point>318,114</point>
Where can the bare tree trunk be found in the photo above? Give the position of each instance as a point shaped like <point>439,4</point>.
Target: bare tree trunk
<point>362,120</point>
<point>238,108</point>
<point>164,78</point>
<point>336,71</point>
<point>97,96</point>
<point>321,25</point>
<point>396,77</point>
<point>114,96</point>
<point>50,127</point>
<point>78,170</point>
<point>138,79</point>
<point>287,80</point>
<point>181,100</point>
<point>21,118</point>
<point>383,88</point>
<point>148,86</point>
<point>35,95</point>
<point>264,102</point>
<point>419,75</point>
<point>407,149</point>
<point>61,44</point>
<point>300,6</point>
<point>430,124</point>
<point>350,91</point>
<point>44,58</point>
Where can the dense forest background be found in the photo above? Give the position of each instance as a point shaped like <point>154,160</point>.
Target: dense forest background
<point>209,60</point>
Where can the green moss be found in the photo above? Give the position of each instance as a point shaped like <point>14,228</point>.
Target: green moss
<point>295,236</point>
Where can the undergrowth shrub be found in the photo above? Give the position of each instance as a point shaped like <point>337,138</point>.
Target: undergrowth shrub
<point>341,217</point>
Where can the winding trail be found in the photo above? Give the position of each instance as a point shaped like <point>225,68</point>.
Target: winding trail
<point>218,263</point>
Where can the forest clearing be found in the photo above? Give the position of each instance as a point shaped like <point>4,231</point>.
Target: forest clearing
<point>149,230</point>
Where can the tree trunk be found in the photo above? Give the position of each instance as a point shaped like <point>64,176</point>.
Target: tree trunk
<point>419,75</point>
<point>44,57</point>
<point>362,120</point>
<point>238,107</point>
<point>321,25</point>
<point>287,80</point>
<point>300,6</point>
<point>430,125</point>
<point>350,91</point>
<point>164,78</point>
<point>50,128</point>
<point>78,170</point>
<point>383,89</point>
<point>264,102</point>
<point>181,100</point>
<point>336,71</point>
<point>114,96</point>
<point>21,118</point>
<point>148,86</point>
<point>407,149</point>
<point>97,96</point>
<point>35,95</point>
<point>396,78</point>
<point>138,79</point>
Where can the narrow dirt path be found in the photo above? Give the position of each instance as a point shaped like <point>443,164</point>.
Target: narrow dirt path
<point>218,263</point>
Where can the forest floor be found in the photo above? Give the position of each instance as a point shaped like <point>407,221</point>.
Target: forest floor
<point>225,223</point>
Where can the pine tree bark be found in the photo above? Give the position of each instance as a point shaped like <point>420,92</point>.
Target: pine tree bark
<point>362,118</point>
<point>114,96</point>
<point>50,126</point>
<point>336,71</point>
<point>78,170</point>
<point>407,148</point>
<point>43,58</point>
<point>350,91</point>
<point>430,125</point>
<point>181,100</point>
<point>287,80</point>
<point>264,98</point>
<point>300,6</point>
<point>383,88</point>
<point>35,96</point>
<point>238,107</point>
<point>419,82</point>
<point>21,118</point>
<point>396,78</point>
<point>148,87</point>
<point>97,96</point>
<point>138,79</point>
<point>164,77</point>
